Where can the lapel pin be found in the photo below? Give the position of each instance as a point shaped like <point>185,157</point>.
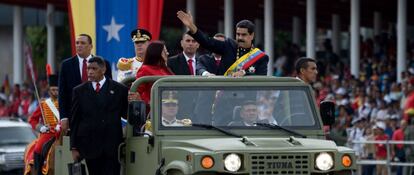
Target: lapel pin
<point>111,92</point>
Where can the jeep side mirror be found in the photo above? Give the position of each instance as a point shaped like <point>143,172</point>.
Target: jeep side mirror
<point>327,110</point>
<point>136,114</point>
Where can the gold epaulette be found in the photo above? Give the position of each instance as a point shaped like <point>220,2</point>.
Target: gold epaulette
<point>185,122</point>
<point>140,59</point>
<point>124,64</point>
<point>148,125</point>
<point>49,118</point>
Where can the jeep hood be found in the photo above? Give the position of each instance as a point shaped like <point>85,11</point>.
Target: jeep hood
<point>249,144</point>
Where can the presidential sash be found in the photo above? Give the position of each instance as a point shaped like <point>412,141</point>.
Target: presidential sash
<point>245,61</point>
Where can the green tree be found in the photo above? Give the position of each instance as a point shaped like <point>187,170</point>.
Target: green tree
<point>36,37</point>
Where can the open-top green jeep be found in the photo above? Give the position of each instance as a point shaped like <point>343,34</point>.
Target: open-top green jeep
<point>251,125</point>
<point>220,125</point>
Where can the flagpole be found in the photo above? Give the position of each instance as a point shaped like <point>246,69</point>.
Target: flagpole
<point>28,53</point>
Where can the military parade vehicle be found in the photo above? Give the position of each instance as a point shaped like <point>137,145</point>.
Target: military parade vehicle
<point>221,125</point>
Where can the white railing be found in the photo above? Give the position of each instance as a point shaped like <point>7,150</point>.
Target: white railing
<point>387,161</point>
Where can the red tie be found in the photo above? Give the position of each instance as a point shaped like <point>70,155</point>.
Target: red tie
<point>98,87</point>
<point>190,66</point>
<point>84,72</point>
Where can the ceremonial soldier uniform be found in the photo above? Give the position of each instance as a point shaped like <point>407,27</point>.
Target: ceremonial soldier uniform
<point>128,67</point>
<point>48,126</point>
<point>169,113</point>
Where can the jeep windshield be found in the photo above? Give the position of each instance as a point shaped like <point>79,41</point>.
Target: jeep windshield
<point>236,107</point>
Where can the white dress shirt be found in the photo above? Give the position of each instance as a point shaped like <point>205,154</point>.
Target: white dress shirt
<point>101,83</point>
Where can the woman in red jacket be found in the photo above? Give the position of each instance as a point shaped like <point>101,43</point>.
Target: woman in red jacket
<point>155,64</point>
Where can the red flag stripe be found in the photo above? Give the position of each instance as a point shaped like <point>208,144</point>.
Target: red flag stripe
<point>251,62</point>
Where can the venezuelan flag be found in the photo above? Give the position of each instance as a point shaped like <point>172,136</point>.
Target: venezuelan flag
<point>110,22</point>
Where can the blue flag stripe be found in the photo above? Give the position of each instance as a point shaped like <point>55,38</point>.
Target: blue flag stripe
<point>114,22</point>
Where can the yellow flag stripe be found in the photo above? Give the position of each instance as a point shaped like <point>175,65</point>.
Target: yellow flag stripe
<point>235,64</point>
<point>83,18</point>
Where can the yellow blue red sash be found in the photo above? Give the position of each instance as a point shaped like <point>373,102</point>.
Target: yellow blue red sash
<point>245,61</point>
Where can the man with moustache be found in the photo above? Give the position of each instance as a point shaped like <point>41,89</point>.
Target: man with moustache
<point>240,57</point>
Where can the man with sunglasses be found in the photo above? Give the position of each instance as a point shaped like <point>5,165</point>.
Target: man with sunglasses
<point>128,67</point>
<point>169,112</point>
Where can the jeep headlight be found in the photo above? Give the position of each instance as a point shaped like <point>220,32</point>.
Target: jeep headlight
<point>232,162</point>
<point>324,161</point>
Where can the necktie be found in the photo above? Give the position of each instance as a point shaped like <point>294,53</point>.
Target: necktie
<point>190,66</point>
<point>98,87</point>
<point>217,62</point>
<point>84,72</point>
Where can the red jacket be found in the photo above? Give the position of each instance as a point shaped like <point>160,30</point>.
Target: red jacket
<point>144,90</point>
<point>35,118</point>
<point>381,150</point>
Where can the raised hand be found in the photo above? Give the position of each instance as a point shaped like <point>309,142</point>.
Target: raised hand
<point>187,20</point>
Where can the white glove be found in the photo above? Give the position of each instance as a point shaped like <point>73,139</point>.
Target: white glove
<point>44,129</point>
<point>57,128</point>
<point>208,74</point>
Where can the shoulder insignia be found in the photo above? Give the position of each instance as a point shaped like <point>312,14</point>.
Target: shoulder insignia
<point>185,122</point>
<point>124,64</point>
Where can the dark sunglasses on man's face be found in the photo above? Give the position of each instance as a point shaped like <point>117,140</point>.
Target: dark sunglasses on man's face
<point>139,42</point>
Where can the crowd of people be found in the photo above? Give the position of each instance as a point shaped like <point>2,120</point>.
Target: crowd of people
<point>19,101</point>
<point>372,106</point>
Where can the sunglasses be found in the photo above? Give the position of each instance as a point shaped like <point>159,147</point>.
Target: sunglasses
<point>138,42</point>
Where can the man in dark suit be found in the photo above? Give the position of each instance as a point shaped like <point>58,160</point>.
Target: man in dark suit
<point>185,62</point>
<point>72,73</point>
<point>96,133</point>
<point>208,64</point>
<point>231,50</point>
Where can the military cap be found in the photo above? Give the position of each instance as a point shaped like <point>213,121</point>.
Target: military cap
<point>170,100</point>
<point>140,35</point>
<point>169,97</point>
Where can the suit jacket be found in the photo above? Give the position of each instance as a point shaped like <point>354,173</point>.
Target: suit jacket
<point>96,120</point>
<point>178,64</point>
<point>228,50</point>
<point>207,63</point>
<point>69,77</point>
